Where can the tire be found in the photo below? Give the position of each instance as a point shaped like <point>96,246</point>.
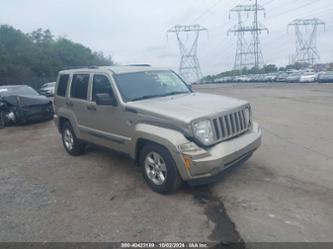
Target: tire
<point>71,143</point>
<point>2,120</point>
<point>156,163</point>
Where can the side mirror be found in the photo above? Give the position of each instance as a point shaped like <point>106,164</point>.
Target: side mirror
<point>105,99</point>
<point>190,87</point>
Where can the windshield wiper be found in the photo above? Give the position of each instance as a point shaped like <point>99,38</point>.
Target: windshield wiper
<point>175,93</point>
<point>147,97</point>
<point>158,95</point>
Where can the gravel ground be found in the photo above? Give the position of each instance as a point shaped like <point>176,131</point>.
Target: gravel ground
<point>285,192</point>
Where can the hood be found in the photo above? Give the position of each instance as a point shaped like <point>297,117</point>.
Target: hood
<point>187,107</point>
<point>26,101</point>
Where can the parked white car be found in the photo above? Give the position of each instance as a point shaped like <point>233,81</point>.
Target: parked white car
<point>308,77</point>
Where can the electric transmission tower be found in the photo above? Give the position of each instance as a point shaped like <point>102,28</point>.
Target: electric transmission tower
<point>248,51</point>
<point>306,40</point>
<point>189,67</point>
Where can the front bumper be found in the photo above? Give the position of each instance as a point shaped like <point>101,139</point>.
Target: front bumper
<point>207,164</point>
<point>39,113</point>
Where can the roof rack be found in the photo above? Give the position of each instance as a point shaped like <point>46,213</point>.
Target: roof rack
<point>139,65</point>
<point>79,67</point>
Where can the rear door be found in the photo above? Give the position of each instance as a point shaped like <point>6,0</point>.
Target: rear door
<point>61,93</point>
<point>78,101</point>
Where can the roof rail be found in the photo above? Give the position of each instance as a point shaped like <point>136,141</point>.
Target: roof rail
<point>80,67</point>
<point>139,65</point>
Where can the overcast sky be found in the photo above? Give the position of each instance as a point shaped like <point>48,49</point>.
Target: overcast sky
<point>134,31</point>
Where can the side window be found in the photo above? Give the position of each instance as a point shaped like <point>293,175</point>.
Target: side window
<point>79,87</point>
<point>101,84</point>
<point>62,85</point>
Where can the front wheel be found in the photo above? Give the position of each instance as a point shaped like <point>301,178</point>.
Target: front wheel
<point>159,169</point>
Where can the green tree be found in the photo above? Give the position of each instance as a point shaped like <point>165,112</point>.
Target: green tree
<point>37,57</point>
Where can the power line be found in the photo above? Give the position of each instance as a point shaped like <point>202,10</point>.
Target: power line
<point>297,8</point>
<point>207,11</point>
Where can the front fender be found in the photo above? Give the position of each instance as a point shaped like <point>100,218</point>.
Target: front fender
<point>166,137</point>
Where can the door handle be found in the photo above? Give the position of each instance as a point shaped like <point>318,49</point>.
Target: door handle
<point>69,103</point>
<point>91,108</point>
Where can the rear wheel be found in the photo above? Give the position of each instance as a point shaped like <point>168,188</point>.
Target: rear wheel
<point>71,143</point>
<point>159,169</point>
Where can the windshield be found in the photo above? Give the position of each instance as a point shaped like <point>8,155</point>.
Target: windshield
<point>18,90</point>
<point>144,85</point>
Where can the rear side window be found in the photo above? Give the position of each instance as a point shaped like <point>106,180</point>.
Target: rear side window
<point>101,84</point>
<point>62,86</point>
<point>79,86</point>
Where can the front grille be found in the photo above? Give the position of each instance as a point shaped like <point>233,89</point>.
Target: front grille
<point>230,125</point>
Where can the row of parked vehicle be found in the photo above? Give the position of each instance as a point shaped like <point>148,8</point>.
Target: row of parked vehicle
<point>288,77</point>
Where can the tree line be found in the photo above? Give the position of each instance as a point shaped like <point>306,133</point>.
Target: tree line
<point>37,57</point>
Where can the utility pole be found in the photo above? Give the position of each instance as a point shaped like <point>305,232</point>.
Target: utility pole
<point>189,67</point>
<point>306,40</point>
<point>248,51</point>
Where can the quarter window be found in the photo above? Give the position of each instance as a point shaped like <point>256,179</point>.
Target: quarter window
<point>79,87</point>
<point>101,84</point>
<point>62,85</point>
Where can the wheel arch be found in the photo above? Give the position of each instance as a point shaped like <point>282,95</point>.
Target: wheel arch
<point>140,143</point>
<point>165,137</point>
<point>62,121</point>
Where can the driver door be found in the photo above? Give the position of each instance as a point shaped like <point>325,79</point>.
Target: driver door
<point>107,123</point>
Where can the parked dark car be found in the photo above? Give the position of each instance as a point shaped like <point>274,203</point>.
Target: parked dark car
<point>21,104</point>
<point>326,77</point>
<point>47,89</point>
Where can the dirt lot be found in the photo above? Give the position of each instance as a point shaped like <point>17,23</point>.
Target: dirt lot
<point>284,193</point>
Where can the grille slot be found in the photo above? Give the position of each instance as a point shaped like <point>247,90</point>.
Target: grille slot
<point>217,131</point>
<point>230,125</point>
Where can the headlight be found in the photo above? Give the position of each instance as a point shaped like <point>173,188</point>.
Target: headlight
<point>188,147</point>
<point>203,131</point>
<point>247,114</point>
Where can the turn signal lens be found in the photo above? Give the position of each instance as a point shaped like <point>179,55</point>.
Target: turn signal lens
<point>187,162</point>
